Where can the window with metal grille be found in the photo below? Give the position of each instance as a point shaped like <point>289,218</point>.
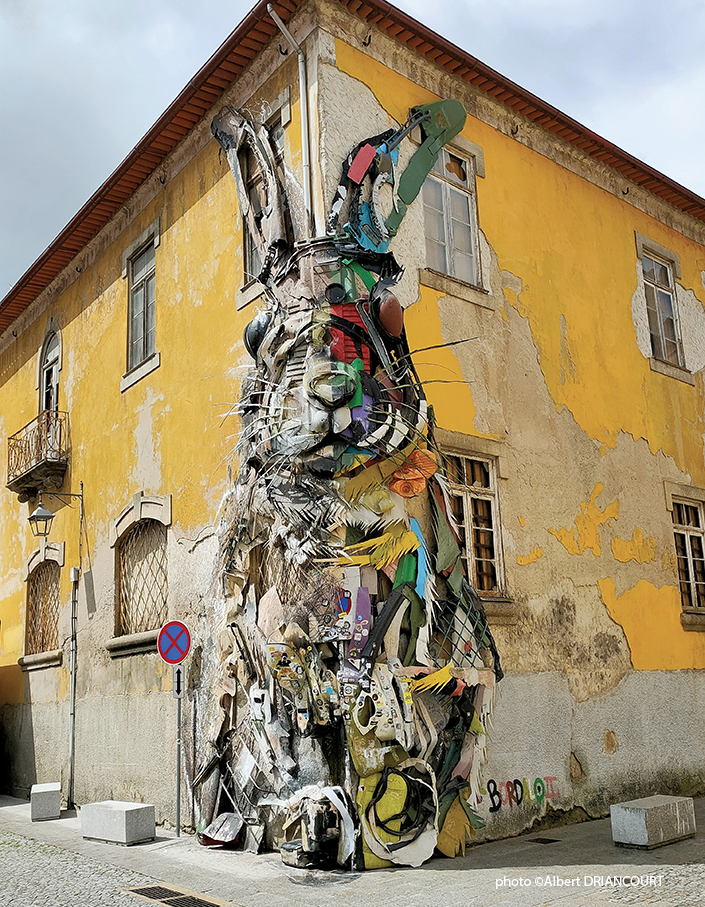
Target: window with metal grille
<point>474,504</point>
<point>43,608</point>
<point>141,578</point>
<point>661,309</point>
<point>450,218</point>
<point>689,534</point>
<point>142,327</point>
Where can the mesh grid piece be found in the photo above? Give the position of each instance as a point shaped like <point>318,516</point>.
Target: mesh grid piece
<point>142,578</point>
<point>43,608</point>
<point>460,635</point>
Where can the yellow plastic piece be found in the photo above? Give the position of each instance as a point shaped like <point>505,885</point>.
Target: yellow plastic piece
<point>384,550</point>
<point>433,681</point>
<point>456,831</point>
<point>391,803</point>
<point>375,476</point>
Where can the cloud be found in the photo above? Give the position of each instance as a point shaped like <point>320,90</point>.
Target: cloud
<point>83,81</point>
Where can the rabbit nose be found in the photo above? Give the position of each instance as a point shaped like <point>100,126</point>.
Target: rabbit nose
<point>332,383</point>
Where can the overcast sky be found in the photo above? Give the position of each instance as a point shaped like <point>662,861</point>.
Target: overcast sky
<point>82,80</point>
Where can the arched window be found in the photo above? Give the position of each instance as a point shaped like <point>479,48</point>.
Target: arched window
<point>50,375</point>
<point>43,608</point>
<point>141,578</point>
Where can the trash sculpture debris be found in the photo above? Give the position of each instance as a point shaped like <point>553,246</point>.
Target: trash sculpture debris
<point>359,669</point>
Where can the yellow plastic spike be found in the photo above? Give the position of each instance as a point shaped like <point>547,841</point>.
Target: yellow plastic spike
<point>432,681</point>
<point>383,550</point>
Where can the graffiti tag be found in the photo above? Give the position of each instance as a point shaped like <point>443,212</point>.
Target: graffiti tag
<point>521,792</point>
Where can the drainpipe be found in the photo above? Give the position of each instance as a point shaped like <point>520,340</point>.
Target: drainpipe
<point>303,96</point>
<point>72,712</point>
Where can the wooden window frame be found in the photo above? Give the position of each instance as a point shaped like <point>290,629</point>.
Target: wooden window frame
<point>689,534</point>
<point>489,494</point>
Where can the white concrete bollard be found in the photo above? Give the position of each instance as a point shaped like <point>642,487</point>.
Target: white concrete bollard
<point>652,821</point>
<point>118,822</point>
<point>45,801</point>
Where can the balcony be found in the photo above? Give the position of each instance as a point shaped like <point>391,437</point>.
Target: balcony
<point>38,455</point>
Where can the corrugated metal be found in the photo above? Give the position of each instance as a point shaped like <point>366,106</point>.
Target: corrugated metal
<point>228,62</point>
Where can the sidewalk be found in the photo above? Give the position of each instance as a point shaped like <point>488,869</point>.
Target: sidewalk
<point>49,863</point>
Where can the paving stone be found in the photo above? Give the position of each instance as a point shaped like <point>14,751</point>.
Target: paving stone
<point>50,864</point>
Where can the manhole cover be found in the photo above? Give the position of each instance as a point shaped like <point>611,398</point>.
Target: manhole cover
<point>160,894</point>
<point>155,892</point>
<point>544,841</point>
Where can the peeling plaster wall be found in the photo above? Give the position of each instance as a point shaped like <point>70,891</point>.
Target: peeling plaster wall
<point>556,377</point>
<point>587,755</point>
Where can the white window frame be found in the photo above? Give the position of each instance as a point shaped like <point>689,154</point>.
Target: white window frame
<point>137,285</point>
<point>467,493</point>
<point>135,372</point>
<point>468,190</point>
<point>52,330</point>
<point>656,317</point>
<point>649,248</point>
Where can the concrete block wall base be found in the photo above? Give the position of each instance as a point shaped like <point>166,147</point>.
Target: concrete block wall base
<point>652,821</point>
<point>45,801</point>
<point>118,822</point>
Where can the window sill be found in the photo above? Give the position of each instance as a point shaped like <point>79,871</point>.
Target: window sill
<point>247,294</point>
<point>500,611</point>
<point>693,621</point>
<point>140,371</point>
<point>452,286</point>
<point>132,644</point>
<point>41,660</point>
<point>672,371</point>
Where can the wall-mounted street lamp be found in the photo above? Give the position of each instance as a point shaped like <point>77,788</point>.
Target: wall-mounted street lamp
<point>40,521</point>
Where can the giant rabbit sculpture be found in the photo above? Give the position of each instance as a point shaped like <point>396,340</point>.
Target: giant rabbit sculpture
<point>360,669</point>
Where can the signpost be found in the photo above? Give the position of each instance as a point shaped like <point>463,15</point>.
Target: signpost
<point>173,645</point>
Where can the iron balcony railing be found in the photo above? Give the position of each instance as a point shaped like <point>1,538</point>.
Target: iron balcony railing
<point>38,454</point>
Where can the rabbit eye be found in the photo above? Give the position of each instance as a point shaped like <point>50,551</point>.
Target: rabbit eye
<point>253,335</point>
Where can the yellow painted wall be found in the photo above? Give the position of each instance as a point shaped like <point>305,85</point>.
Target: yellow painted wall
<point>439,369</point>
<point>538,218</point>
<point>651,619</point>
<point>535,214</point>
<point>165,434</point>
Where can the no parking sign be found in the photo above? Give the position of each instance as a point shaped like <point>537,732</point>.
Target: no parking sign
<point>173,645</point>
<point>174,642</point>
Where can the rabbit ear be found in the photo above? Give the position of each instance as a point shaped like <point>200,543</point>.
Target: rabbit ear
<point>250,153</point>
